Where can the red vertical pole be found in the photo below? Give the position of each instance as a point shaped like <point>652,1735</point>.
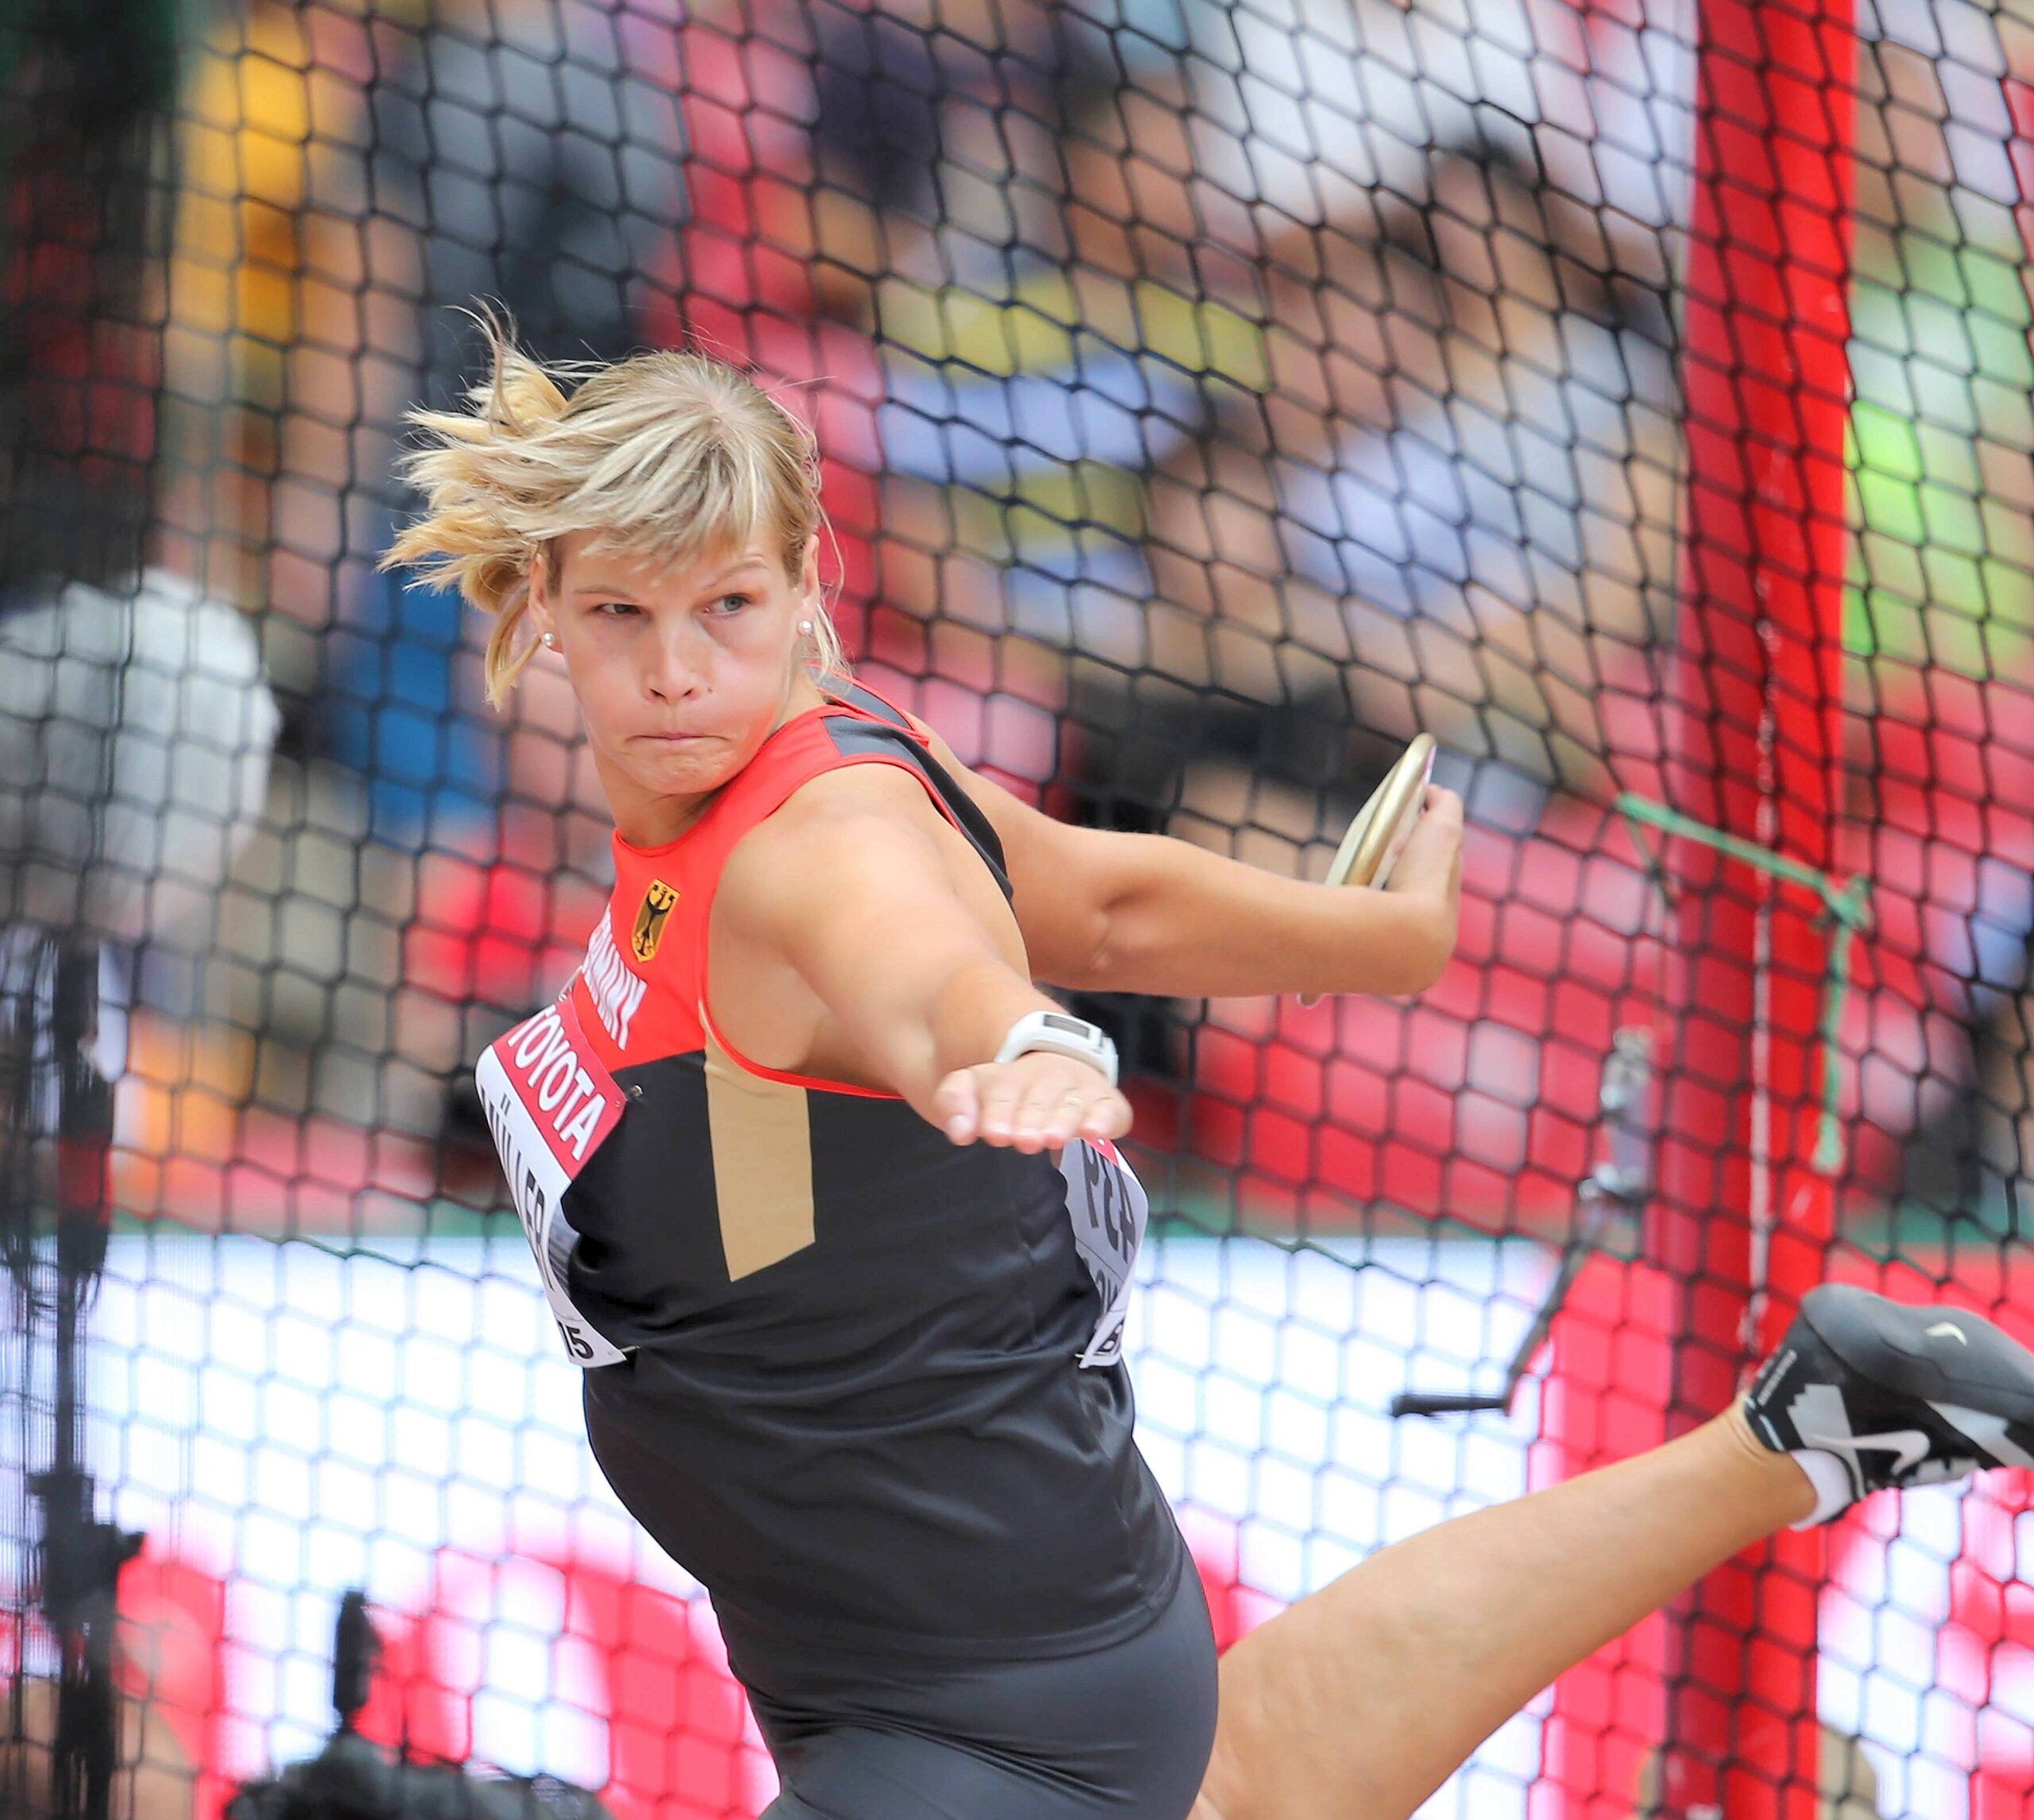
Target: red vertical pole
<point>1743,1222</point>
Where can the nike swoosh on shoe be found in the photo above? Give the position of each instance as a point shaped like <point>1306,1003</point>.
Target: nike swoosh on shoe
<point>1909,1444</point>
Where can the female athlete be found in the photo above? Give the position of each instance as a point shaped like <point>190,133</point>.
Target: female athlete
<point>822,1188</point>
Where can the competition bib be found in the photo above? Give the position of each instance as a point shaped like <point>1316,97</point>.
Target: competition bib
<point>1109,1210</point>
<point>550,1105</point>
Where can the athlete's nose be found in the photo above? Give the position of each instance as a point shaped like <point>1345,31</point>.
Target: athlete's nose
<point>674,672</point>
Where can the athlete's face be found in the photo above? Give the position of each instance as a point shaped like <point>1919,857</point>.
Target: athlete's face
<point>681,674</point>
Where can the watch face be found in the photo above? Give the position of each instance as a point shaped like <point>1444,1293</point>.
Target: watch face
<point>1074,1026</point>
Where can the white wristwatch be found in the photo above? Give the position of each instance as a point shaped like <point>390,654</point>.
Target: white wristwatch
<point>1056,1031</point>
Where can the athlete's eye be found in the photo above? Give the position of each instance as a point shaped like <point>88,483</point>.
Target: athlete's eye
<point>615,609</point>
<point>728,605</point>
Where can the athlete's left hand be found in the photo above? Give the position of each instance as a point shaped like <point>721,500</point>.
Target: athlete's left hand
<point>1038,1102</point>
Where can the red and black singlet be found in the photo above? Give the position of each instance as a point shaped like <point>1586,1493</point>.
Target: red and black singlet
<point>837,1358</point>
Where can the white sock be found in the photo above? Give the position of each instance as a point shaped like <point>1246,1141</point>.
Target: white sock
<point>1834,1490</point>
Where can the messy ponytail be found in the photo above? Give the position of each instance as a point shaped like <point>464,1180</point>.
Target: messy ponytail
<point>671,456</point>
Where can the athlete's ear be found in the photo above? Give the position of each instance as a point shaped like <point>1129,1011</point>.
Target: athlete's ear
<point>808,583</point>
<point>547,579</point>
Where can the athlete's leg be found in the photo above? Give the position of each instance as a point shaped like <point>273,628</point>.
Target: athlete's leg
<point>1359,1701</point>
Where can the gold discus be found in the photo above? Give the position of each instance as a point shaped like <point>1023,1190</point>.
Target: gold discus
<point>1380,828</point>
<point>1382,825</point>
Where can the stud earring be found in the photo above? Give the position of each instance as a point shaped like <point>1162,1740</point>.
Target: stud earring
<point>550,641</point>
<point>804,626</point>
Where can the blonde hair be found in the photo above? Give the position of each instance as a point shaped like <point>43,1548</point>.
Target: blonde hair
<point>672,457</point>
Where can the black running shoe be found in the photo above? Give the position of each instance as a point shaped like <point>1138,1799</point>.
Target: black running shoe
<point>1869,1394</point>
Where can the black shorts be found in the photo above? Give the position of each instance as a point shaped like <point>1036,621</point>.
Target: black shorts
<point>1122,1733</point>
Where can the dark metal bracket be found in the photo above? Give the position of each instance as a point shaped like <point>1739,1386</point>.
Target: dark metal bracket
<point>1616,1190</point>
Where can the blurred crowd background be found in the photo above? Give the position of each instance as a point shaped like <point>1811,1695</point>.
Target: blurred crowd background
<point>1212,394</point>
<point>1211,401</point>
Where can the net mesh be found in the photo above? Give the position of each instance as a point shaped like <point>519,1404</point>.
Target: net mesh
<point>1213,395</point>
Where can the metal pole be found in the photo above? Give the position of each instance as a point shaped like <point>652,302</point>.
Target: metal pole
<point>1742,1223</point>
<point>55,1125</point>
<point>81,1556</point>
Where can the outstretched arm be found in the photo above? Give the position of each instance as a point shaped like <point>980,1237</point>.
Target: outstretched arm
<point>1145,913</point>
<point>1179,920</point>
<point>890,920</point>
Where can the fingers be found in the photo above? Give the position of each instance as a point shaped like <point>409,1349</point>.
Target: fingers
<point>1442,801</point>
<point>958,1105</point>
<point>1435,845</point>
<point>1445,806</point>
<point>1036,1103</point>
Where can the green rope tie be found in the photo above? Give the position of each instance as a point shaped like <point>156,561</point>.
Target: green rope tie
<point>1848,903</point>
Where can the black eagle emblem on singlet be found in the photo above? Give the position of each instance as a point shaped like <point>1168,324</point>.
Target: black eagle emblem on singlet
<point>650,919</point>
